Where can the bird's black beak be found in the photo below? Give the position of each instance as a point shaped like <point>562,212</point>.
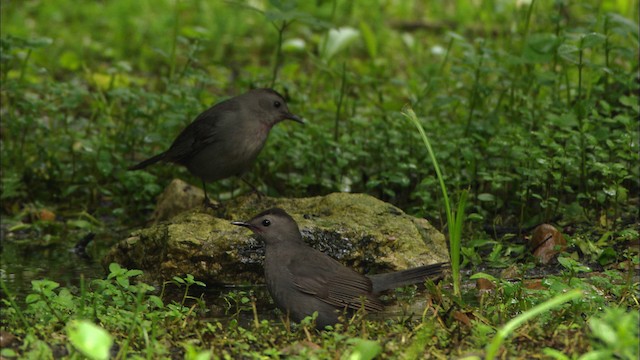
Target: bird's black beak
<point>241,223</point>
<point>295,118</point>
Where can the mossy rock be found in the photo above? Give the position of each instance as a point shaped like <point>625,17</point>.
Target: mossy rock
<point>360,231</point>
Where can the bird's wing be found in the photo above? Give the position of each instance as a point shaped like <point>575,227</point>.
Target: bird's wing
<point>202,132</point>
<point>333,283</point>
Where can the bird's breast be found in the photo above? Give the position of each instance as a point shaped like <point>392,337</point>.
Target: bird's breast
<point>255,140</point>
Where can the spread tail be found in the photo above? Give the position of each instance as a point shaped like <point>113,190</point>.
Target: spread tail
<point>149,161</point>
<point>416,275</point>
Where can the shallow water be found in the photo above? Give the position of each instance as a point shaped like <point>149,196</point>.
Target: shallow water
<point>29,258</point>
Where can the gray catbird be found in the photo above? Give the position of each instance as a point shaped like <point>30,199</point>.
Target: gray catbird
<point>303,280</point>
<point>224,140</point>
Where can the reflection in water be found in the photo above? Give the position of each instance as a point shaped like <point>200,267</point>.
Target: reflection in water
<point>26,259</point>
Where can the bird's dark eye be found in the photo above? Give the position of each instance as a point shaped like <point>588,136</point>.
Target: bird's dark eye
<point>276,103</point>
<point>266,222</point>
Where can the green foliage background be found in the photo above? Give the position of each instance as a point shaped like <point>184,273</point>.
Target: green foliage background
<point>531,105</point>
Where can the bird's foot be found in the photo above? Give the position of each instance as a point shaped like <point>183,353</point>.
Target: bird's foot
<point>259,193</point>
<point>254,189</point>
<point>208,204</point>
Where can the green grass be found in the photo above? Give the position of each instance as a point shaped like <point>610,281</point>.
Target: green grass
<point>530,106</point>
<point>145,322</point>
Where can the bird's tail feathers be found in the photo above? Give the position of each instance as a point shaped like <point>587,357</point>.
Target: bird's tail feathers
<point>149,161</point>
<point>416,275</point>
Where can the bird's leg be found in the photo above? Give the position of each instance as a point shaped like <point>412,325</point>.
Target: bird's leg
<point>255,189</point>
<point>207,202</point>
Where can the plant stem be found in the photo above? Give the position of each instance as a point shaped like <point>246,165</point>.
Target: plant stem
<point>276,63</point>
<point>343,86</point>
<point>174,45</point>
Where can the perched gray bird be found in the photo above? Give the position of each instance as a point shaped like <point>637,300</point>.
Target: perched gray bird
<point>225,140</point>
<point>303,280</point>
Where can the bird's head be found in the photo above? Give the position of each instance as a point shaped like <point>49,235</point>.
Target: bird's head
<point>274,226</point>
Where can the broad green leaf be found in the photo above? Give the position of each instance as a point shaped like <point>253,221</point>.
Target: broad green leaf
<point>90,339</point>
<point>485,276</point>
<point>486,197</point>
<point>337,40</point>
<point>592,40</point>
<point>294,45</point>
<point>569,52</point>
<point>364,349</point>
<point>370,39</point>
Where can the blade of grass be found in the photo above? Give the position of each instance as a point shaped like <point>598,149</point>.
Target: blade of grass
<point>454,220</point>
<point>513,324</point>
<point>9,298</point>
